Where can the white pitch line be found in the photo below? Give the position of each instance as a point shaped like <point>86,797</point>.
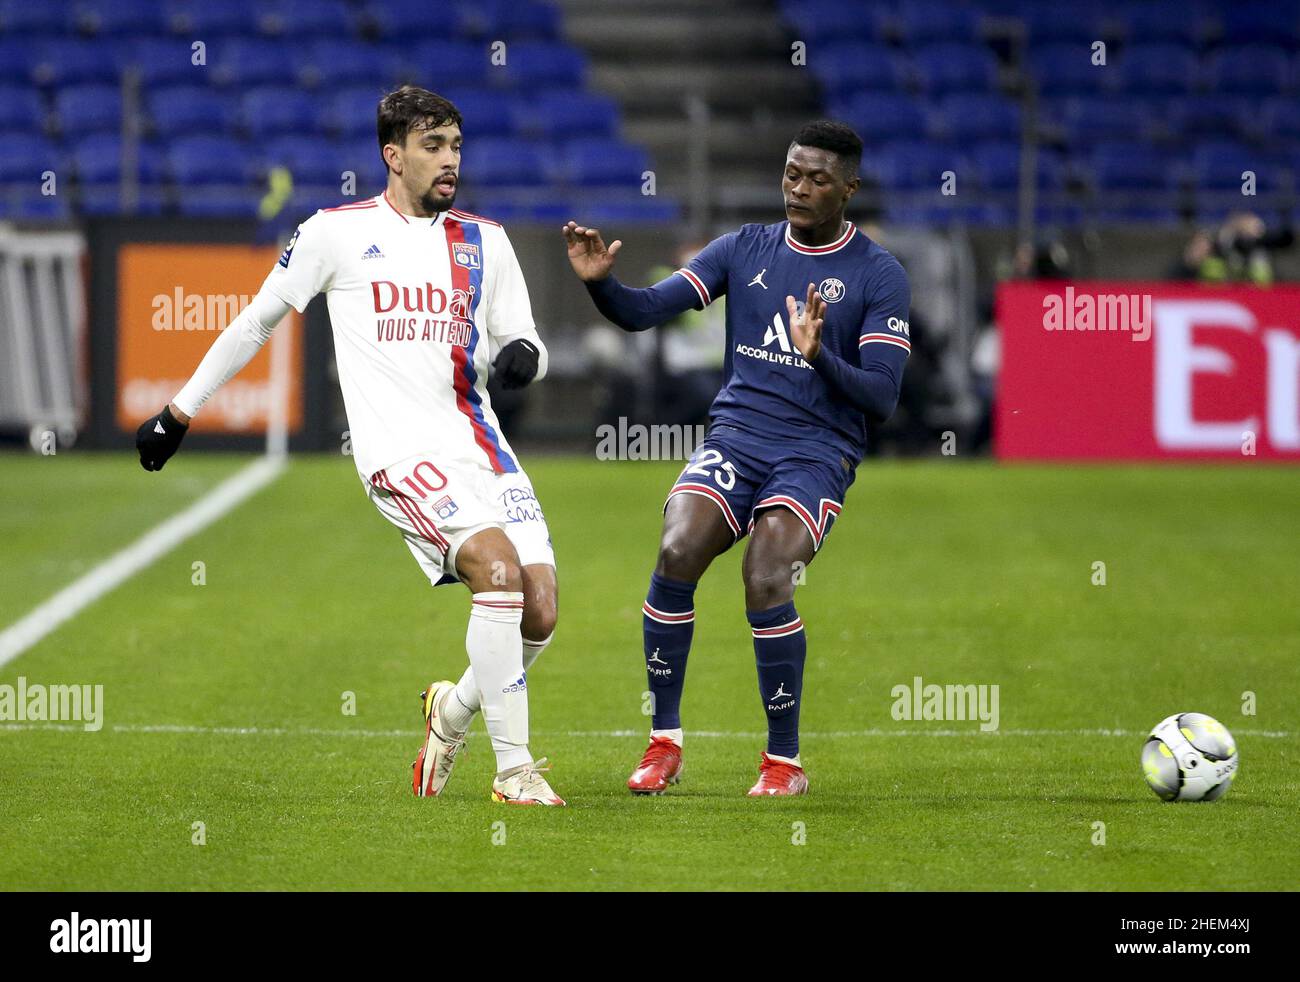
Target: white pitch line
<point>121,566</point>
<point>275,731</point>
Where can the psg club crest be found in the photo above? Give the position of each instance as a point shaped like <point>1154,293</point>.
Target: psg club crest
<point>465,254</point>
<point>444,507</point>
<point>831,289</point>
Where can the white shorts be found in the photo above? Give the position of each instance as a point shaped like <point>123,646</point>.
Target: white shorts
<point>439,505</point>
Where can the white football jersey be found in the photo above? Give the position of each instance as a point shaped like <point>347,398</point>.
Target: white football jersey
<point>418,307</point>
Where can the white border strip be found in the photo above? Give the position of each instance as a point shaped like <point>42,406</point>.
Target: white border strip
<point>121,566</point>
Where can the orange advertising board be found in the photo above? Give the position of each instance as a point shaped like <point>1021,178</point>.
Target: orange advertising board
<point>173,300</point>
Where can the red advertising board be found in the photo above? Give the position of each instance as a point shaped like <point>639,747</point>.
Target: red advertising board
<point>1139,371</point>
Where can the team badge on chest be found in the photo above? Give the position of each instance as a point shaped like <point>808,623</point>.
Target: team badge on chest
<point>832,290</point>
<point>465,254</point>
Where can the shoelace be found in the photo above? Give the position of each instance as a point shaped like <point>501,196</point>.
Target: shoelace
<point>531,780</point>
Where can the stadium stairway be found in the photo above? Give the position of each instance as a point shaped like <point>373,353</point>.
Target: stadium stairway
<point>652,55</point>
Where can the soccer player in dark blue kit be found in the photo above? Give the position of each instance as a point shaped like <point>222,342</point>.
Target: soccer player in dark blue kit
<point>817,336</point>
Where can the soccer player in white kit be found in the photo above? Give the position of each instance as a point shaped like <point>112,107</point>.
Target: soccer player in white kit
<point>420,295</point>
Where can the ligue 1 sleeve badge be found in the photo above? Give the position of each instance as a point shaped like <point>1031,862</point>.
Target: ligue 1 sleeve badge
<point>832,289</point>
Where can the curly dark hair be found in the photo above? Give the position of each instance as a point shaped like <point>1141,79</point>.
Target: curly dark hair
<point>838,138</point>
<point>412,108</point>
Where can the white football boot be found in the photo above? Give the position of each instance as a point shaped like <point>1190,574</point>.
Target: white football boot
<point>525,786</point>
<point>434,762</point>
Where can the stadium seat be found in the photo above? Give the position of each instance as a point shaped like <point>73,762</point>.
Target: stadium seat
<point>911,165</point>
<point>24,157</point>
<point>1272,22</point>
<point>219,201</point>
<point>1148,21</point>
<point>332,63</point>
<point>1213,116</point>
<point>166,61</point>
<point>311,160</point>
<point>240,62</point>
<point>560,114</point>
<point>24,19</point>
<point>997,166</point>
<point>443,64</point>
<point>16,58</point>
<point>531,64</point>
<point>968,117</point>
<point>21,108</point>
<point>88,108</point>
<point>36,207</point>
<point>352,110</point>
<point>106,17</point>
<point>510,19</point>
<point>98,160</point>
<point>198,160</point>
<point>1131,166</point>
<point>1219,165</point>
<point>106,199</point>
<point>955,67</point>
<point>1088,120</point>
<point>360,156</point>
<point>182,109</point>
<point>67,61</point>
<point>844,68</point>
<point>608,208</point>
<point>927,21</point>
<point>1280,117</point>
<point>503,161</point>
<point>1067,69</point>
<point>604,163</point>
<point>1157,69</point>
<point>1044,24</point>
<point>1251,70</point>
<point>270,111</point>
<point>206,19</point>
<point>838,20</point>
<point>484,113</point>
<point>299,19</point>
<point>877,116</point>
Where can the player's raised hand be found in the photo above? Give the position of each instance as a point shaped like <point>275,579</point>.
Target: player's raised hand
<point>159,437</point>
<point>588,254</point>
<point>806,331</point>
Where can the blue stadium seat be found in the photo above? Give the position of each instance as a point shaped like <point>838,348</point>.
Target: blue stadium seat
<point>1131,166</point>
<point>204,19</point>
<point>542,63</point>
<point>511,19</point>
<point>98,160</point>
<point>333,63</point>
<point>1149,21</point>
<point>21,108</point>
<point>196,160</point>
<point>912,165</point>
<point>182,109</point>
<point>997,166</point>
<point>311,160</point>
<point>30,206</point>
<point>926,21</point>
<point>298,19</point>
<point>1271,22</point>
<point>104,17</point>
<point>362,158</point>
<point>1219,164</point>
<point>66,61</point>
<point>1067,69</point>
<point>166,61</point>
<point>967,117</point>
<point>1158,69</point>
<point>89,108</point>
<point>352,110</point>
<point>877,115</point>
<point>842,68</point>
<point>1280,117</point>
<point>25,156</point>
<point>559,114</point>
<point>25,19</point>
<point>16,58</point>
<point>440,64</point>
<point>602,163</point>
<point>1088,120</point>
<point>1212,116</point>
<point>219,201</point>
<point>1255,70</point>
<point>240,62</point>
<point>484,113</point>
<point>1049,24</point>
<point>268,112</point>
<point>106,199</point>
<point>829,20</point>
<point>612,208</point>
<point>955,67</point>
<point>496,161</point>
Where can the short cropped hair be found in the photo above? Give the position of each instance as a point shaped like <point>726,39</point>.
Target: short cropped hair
<point>412,108</point>
<point>838,138</point>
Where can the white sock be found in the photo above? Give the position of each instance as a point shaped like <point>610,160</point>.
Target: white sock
<point>792,761</point>
<point>674,735</point>
<point>459,712</point>
<point>495,650</point>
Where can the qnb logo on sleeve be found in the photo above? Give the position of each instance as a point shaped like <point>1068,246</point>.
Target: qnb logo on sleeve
<point>288,250</point>
<point>900,326</point>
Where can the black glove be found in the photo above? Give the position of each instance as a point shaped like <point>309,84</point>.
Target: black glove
<point>158,438</point>
<point>516,364</point>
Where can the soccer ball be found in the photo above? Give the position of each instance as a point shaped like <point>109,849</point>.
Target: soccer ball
<point>1189,757</point>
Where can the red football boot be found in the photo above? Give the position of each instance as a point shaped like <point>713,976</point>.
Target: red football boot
<point>776,777</point>
<point>661,765</point>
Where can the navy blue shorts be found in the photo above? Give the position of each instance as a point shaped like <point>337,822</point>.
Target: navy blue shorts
<point>744,474</point>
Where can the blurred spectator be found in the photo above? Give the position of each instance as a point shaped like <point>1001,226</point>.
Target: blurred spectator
<point>1239,251</point>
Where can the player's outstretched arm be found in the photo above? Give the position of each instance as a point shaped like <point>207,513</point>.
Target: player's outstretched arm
<point>629,308</point>
<point>160,436</point>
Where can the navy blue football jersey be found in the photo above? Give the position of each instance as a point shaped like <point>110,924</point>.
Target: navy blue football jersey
<point>768,387</point>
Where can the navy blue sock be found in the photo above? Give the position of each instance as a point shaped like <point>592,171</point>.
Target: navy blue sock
<point>668,623</point>
<point>779,649</point>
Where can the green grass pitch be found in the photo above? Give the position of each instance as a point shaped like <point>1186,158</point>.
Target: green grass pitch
<point>223,702</point>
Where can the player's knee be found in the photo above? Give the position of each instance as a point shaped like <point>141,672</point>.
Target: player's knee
<point>768,587</point>
<point>679,559</point>
<point>540,617</point>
